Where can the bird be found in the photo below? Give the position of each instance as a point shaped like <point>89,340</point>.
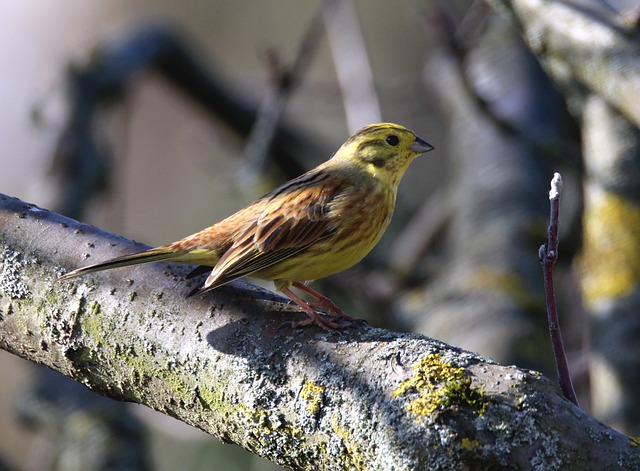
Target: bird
<point>313,226</point>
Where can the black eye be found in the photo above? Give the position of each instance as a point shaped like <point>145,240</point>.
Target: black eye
<point>392,140</point>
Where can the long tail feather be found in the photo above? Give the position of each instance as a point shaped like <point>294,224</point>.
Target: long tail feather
<point>152,255</point>
<point>197,271</point>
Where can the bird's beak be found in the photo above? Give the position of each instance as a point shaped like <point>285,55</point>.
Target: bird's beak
<point>420,146</point>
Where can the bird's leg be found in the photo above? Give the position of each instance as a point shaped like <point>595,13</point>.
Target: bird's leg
<point>325,303</point>
<point>323,321</point>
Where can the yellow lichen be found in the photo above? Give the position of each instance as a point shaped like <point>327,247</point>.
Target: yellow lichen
<point>269,423</point>
<point>312,394</point>
<point>467,444</point>
<point>353,456</point>
<point>610,260</point>
<point>440,385</point>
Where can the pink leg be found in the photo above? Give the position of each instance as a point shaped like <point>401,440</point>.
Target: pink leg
<point>324,302</point>
<point>323,321</point>
<point>335,318</point>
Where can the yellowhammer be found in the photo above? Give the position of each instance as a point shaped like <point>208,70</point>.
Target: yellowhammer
<point>315,225</point>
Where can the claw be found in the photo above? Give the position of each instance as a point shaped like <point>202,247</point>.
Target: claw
<point>335,318</point>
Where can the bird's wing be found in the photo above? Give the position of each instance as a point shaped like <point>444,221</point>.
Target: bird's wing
<point>295,216</point>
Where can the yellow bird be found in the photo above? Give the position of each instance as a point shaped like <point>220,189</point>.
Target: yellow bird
<point>313,226</point>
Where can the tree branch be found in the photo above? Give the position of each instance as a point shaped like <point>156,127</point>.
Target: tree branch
<point>307,399</point>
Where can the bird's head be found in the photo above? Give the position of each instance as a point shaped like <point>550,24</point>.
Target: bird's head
<point>383,150</point>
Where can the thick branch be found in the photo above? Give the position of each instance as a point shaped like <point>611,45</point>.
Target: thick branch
<point>307,399</point>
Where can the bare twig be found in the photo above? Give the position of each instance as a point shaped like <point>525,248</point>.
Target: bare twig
<point>548,254</point>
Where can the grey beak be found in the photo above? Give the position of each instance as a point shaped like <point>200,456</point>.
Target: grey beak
<point>421,146</point>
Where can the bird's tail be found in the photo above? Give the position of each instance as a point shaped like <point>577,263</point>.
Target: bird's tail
<point>152,255</point>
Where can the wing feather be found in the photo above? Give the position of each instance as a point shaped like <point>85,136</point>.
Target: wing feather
<point>295,217</point>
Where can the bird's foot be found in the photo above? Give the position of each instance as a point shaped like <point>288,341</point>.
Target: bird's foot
<point>331,317</point>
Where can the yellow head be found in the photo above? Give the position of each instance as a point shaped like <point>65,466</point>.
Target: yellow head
<point>383,150</point>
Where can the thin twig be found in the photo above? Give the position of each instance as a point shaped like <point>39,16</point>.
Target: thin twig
<point>548,254</point>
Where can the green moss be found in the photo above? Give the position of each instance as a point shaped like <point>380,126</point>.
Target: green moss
<point>95,308</point>
<point>21,322</point>
<point>144,369</point>
<point>134,363</point>
<point>440,386</point>
<point>92,324</point>
<point>210,399</point>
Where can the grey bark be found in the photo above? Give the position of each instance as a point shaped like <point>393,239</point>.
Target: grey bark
<point>360,399</point>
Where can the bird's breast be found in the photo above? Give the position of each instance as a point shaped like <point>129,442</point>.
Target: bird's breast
<point>359,218</point>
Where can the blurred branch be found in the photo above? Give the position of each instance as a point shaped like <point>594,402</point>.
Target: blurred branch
<point>409,247</point>
<point>81,164</point>
<point>284,81</point>
<point>599,50</point>
<point>352,64</point>
<point>458,41</point>
<point>305,399</point>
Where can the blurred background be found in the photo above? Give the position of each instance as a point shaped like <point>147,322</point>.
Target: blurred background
<point>156,119</point>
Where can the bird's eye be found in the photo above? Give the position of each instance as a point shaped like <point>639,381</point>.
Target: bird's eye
<point>392,140</point>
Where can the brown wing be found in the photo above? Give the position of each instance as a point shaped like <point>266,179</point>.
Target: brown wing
<point>296,216</point>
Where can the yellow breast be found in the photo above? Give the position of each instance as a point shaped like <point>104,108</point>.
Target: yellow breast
<point>361,217</point>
